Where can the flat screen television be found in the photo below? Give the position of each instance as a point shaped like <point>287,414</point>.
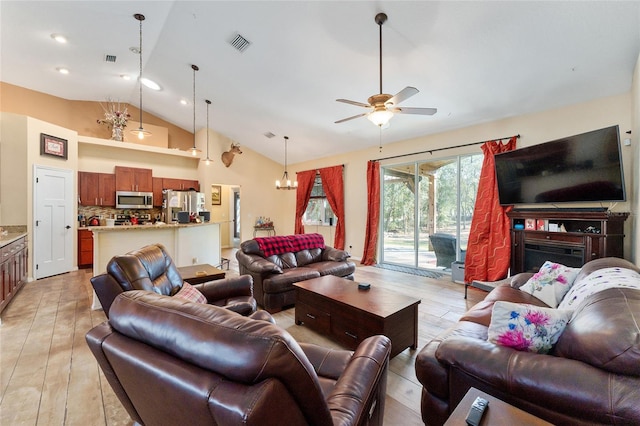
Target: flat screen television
<point>581,168</point>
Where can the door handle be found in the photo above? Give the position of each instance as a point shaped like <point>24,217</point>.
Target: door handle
<point>67,227</point>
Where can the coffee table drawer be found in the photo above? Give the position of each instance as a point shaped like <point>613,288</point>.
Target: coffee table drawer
<point>313,317</point>
<point>349,333</point>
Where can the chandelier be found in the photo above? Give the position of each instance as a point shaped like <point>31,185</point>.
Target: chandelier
<point>140,132</point>
<point>207,160</point>
<point>194,150</point>
<point>285,176</point>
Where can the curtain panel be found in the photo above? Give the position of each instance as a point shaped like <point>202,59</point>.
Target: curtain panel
<point>303,194</point>
<point>373,213</point>
<point>333,185</point>
<point>489,247</point>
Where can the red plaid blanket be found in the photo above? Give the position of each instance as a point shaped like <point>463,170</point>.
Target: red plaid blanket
<point>289,243</point>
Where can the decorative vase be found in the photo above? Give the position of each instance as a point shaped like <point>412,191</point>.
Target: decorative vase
<point>116,133</point>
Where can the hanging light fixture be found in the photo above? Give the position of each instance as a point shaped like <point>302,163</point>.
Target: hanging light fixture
<point>140,131</point>
<point>194,150</point>
<point>285,176</point>
<point>207,160</point>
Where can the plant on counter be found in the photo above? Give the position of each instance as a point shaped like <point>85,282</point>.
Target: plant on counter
<point>116,117</point>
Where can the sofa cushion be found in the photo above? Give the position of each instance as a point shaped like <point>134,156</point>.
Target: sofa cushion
<point>551,282</point>
<point>602,279</point>
<point>189,292</point>
<point>339,269</point>
<point>605,332</point>
<point>307,256</point>
<point>283,282</point>
<point>526,327</point>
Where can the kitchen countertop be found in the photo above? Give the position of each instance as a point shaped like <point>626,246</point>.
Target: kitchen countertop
<point>116,228</point>
<point>10,237</point>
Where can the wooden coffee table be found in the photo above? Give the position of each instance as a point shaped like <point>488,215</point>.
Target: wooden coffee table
<point>336,307</point>
<point>497,412</point>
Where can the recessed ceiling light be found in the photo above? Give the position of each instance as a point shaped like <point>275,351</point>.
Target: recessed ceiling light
<point>150,84</point>
<point>62,70</point>
<point>183,102</point>
<point>125,77</point>
<point>59,38</point>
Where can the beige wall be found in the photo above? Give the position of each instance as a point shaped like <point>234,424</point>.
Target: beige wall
<point>635,181</point>
<point>533,128</point>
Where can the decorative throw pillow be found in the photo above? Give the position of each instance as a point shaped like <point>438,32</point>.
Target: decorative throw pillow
<point>551,283</point>
<point>190,293</point>
<point>527,327</point>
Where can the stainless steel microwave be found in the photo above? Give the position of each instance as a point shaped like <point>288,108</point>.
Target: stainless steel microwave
<point>134,200</point>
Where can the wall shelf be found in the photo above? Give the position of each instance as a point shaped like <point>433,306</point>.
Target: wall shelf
<point>108,143</point>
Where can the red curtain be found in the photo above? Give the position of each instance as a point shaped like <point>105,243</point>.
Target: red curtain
<point>333,186</point>
<point>489,247</point>
<point>303,194</point>
<point>373,213</point>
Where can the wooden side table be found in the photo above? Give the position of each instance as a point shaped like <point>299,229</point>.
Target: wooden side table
<point>497,412</point>
<point>270,230</point>
<point>197,274</point>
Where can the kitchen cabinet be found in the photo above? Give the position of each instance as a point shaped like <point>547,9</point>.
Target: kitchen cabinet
<point>13,269</point>
<point>571,237</point>
<point>97,189</point>
<point>180,184</point>
<point>85,248</point>
<point>157,191</point>
<point>133,179</point>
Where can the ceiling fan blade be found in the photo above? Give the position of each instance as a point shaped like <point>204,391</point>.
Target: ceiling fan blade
<point>347,101</point>
<point>419,111</point>
<point>402,95</point>
<point>351,118</point>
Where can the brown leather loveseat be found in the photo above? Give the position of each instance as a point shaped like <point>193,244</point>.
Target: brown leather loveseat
<point>175,362</point>
<point>276,263</point>
<point>590,376</point>
<point>151,268</point>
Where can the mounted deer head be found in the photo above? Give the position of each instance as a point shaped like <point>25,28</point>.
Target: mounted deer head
<point>227,156</point>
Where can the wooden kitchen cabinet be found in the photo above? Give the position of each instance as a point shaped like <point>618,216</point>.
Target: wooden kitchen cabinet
<point>133,179</point>
<point>180,184</point>
<point>157,191</point>
<point>85,248</point>
<point>13,269</point>
<point>97,189</point>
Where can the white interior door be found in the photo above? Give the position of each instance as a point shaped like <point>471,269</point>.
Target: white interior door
<point>53,217</point>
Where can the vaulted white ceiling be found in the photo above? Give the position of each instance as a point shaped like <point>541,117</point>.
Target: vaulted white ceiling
<point>474,61</point>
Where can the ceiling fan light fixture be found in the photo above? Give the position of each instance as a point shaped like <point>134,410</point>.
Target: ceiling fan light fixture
<point>380,117</point>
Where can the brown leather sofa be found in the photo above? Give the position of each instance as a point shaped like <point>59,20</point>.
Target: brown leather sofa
<point>151,268</point>
<point>274,276</point>
<point>175,362</point>
<point>591,376</point>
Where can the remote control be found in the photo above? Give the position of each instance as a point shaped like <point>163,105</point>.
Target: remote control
<point>476,411</point>
<point>364,286</point>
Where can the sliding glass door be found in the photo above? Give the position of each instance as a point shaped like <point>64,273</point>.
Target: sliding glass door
<point>425,198</point>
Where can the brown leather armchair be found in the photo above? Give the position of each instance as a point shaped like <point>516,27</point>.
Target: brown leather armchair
<point>151,268</point>
<point>171,361</point>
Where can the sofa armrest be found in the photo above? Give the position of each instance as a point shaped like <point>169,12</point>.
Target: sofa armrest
<point>227,288</point>
<point>520,279</point>
<point>257,264</point>
<point>107,288</point>
<point>334,254</point>
<point>360,391</point>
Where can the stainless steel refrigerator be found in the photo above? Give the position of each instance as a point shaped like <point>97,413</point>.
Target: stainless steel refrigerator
<point>181,201</point>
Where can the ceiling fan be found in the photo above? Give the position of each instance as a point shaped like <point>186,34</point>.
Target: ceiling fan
<point>382,106</point>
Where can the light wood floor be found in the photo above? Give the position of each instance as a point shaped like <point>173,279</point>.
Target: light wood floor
<point>48,376</point>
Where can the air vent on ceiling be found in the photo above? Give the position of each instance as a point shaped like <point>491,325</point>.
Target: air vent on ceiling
<point>239,42</point>
<point>269,135</point>
<point>109,58</point>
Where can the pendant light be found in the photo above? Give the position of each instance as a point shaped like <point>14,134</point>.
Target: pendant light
<point>140,132</point>
<point>285,176</point>
<point>194,150</point>
<point>207,160</point>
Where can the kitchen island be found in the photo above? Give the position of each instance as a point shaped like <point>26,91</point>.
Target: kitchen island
<point>187,244</point>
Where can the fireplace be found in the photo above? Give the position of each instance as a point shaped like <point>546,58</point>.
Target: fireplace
<point>536,253</point>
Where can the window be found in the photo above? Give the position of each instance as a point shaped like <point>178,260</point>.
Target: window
<point>318,210</point>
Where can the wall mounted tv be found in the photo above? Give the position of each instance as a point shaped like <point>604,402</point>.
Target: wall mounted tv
<point>581,168</point>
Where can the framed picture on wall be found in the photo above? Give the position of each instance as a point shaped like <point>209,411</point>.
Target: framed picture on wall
<point>51,145</point>
<point>216,195</point>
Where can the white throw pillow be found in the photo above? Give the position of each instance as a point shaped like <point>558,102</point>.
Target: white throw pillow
<point>551,283</point>
<point>526,327</point>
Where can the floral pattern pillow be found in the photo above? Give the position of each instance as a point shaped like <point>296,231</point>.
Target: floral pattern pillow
<point>602,279</point>
<point>551,283</point>
<point>189,292</point>
<point>526,327</point>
